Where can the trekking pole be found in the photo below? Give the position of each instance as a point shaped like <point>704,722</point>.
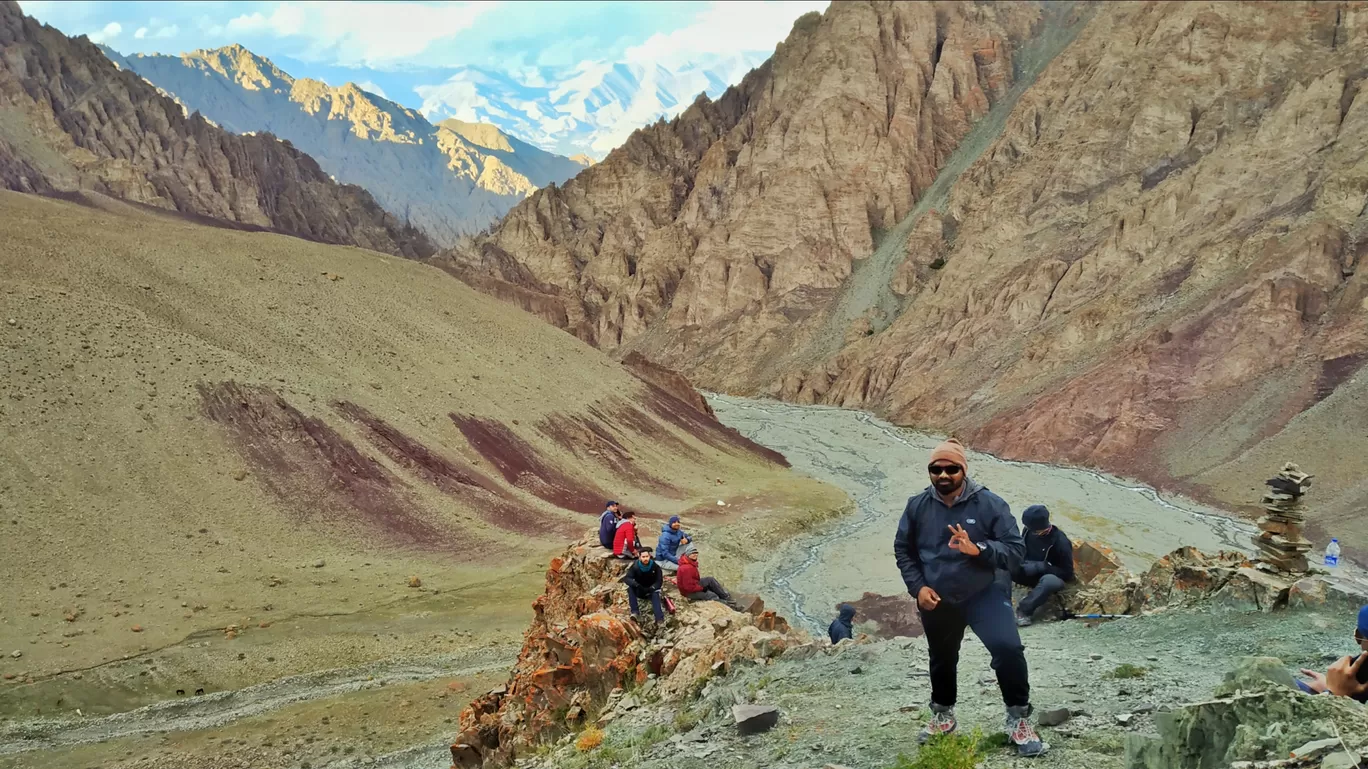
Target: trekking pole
<point>1098,616</point>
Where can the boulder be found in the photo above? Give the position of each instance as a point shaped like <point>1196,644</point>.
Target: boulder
<point>1246,726</point>
<point>1092,560</point>
<point>754,719</point>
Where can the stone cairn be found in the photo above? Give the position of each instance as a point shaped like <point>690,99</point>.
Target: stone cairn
<point>1280,540</point>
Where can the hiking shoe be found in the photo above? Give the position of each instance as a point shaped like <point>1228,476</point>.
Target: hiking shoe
<point>1023,620</point>
<point>942,722</point>
<point>1022,734</point>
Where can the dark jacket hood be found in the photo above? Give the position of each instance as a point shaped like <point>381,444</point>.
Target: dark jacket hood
<point>847,612</point>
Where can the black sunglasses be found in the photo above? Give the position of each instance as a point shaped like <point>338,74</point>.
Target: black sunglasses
<point>950,470</point>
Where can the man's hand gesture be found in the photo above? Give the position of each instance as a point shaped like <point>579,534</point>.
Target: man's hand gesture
<point>1342,677</point>
<point>927,598</point>
<point>959,540</point>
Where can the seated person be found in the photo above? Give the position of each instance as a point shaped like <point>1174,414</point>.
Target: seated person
<point>1348,677</point>
<point>644,579</point>
<point>1048,565</point>
<point>696,588</point>
<point>842,628</point>
<point>672,536</point>
<point>608,522</point>
<point>625,541</point>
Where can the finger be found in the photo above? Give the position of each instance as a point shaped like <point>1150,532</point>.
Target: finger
<point>1358,663</point>
<point>1308,672</point>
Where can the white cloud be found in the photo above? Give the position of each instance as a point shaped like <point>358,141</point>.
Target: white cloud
<point>724,28</point>
<point>362,33</point>
<point>110,31</point>
<point>141,33</point>
<point>170,30</point>
<point>367,85</point>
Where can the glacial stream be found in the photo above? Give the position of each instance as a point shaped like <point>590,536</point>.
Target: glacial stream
<point>880,466</point>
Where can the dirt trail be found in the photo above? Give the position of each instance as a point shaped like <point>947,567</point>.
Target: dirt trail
<point>881,465</point>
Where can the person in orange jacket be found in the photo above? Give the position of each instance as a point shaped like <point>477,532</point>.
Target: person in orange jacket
<point>625,541</point>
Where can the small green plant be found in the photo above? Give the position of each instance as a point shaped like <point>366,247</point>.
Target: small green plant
<point>1127,670</point>
<point>947,751</point>
<point>686,719</point>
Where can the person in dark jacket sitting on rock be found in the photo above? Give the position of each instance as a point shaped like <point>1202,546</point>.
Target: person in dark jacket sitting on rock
<point>644,579</point>
<point>608,522</point>
<point>1048,565</point>
<point>843,627</point>
<point>952,541</point>
<point>696,588</point>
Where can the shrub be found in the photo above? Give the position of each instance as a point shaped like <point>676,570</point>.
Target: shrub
<point>946,751</point>
<point>589,739</point>
<point>1127,670</point>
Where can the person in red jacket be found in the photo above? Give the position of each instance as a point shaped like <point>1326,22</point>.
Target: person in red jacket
<point>625,541</point>
<point>696,588</point>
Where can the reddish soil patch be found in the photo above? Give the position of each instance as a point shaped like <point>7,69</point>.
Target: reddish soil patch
<point>1335,372</point>
<point>491,501</point>
<point>316,472</point>
<point>706,427</point>
<point>895,614</point>
<point>522,466</point>
<point>641,423</point>
<point>588,439</point>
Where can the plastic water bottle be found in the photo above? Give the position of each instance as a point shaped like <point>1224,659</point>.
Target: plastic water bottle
<point>1332,551</point>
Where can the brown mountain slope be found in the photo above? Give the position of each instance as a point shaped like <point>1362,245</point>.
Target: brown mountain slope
<point>771,190</point>
<point>1146,261</point>
<point>71,120</point>
<point>195,417</point>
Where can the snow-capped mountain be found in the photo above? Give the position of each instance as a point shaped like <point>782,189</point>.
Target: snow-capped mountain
<point>591,108</point>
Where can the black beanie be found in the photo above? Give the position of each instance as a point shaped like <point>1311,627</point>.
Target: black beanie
<point>1035,517</point>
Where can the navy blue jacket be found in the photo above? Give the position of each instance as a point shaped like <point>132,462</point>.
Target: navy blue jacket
<point>1050,554</point>
<point>922,545</point>
<point>843,626</point>
<point>607,528</point>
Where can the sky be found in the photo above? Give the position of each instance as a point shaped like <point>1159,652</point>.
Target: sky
<point>386,42</point>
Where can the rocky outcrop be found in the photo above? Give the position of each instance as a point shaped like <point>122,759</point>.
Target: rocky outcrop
<point>1256,720</point>
<point>1186,577</point>
<point>74,122</point>
<point>583,651</point>
<point>449,180</point>
<point>747,212</point>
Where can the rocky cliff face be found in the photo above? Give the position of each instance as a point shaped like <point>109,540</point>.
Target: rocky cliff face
<point>767,194</point>
<point>72,121</point>
<point>449,180</point>
<point>1145,258</point>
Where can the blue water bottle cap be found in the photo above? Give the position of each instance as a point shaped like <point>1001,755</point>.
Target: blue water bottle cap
<point>1332,539</point>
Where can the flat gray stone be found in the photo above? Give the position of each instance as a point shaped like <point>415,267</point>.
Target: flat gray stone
<point>1054,716</point>
<point>754,719</point>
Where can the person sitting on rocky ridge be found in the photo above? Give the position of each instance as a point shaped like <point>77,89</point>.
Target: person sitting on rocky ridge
<point>608,522</point>
<point>1348,677</point>
<point>644,579</point>
<point>1048,565</point>
<point>625,540</point>
<point>953,539</point>
<point>696,588</point>
<point>672,535</point>
<point>843,627</point>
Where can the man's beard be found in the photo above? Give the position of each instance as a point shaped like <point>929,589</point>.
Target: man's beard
<point>947,486</point>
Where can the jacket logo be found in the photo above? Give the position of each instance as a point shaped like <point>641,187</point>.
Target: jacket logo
<point>970,520</point>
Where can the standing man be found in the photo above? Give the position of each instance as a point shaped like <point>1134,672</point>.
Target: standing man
<point>608,522</point>
<point>951,541</point>
<point>1048,565</point>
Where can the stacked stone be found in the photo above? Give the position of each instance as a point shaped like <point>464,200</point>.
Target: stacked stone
<point>1280,539</point>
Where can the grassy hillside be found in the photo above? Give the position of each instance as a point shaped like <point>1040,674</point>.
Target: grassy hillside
<point>206,427</point>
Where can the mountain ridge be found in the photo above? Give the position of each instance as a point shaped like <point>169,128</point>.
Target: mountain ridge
<point>438,178</point>
<point>73,122</point>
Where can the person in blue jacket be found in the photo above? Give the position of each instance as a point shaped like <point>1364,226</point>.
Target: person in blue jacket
<point>1048,564</point>
<point>953,539</point>
<point>608,522</point>
<point>843,627</point>
<point>672,535</point>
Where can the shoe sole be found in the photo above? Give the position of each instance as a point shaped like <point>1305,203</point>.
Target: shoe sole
<point>925,737</point>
